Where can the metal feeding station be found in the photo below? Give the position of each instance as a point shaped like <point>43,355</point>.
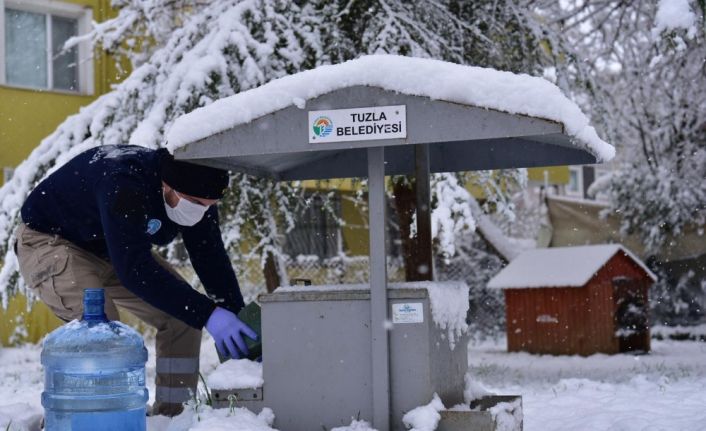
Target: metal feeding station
<point>331,355</point>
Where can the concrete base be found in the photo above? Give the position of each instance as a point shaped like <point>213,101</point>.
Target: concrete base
<point>482,418</point>
<point>251,399</point>
<point>479,419</point>
<point>465,421</point>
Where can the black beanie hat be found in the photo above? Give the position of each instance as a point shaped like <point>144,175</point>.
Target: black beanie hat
<point>192,179</point>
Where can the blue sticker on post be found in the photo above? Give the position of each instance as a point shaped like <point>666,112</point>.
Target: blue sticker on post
<point>153,226</point>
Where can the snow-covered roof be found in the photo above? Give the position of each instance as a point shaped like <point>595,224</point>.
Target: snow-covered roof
<point>559,267</point>
<point>438,80</point>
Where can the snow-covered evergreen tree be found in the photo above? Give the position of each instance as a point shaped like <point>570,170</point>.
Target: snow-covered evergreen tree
<point>187,54</point>
<point>660,114</point>
<point>645,60</point>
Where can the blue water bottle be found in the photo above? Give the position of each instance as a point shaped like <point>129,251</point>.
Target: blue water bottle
<point>94,373</point>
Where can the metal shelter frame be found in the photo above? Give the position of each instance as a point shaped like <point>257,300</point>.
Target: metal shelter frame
<point>441,136</point>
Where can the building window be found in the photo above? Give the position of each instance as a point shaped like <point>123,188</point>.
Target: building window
<point>34,34</point>
<point>316,231</point>
<point>575,186</point>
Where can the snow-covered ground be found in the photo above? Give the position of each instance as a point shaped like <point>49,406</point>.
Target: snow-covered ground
<point>664,390</point>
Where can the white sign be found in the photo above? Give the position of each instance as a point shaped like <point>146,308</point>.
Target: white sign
<point>359,124</point>
<point>408,313</point>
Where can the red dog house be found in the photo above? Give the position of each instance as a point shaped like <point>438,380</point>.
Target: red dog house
<point>576,300</point>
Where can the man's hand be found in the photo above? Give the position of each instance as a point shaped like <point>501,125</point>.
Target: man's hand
<point>228,331</point>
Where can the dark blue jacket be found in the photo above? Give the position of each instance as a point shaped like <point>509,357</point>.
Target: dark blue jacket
<point>108,201</point>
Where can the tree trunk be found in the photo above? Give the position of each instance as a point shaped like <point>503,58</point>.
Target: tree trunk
<point>416,266</point>
<point>272,279</point>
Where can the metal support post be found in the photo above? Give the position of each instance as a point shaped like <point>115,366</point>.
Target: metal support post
<point>424,241</point>
<point>378,289</point>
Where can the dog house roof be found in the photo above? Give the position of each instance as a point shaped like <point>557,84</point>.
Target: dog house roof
<point>559,267</point>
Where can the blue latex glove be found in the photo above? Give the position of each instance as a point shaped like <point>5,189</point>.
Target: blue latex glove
<point>227,330</point>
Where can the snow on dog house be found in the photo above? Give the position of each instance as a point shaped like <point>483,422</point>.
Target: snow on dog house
<point>576,300</point>
<point>370,117</point>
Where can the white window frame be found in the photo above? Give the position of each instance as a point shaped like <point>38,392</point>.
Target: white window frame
<point>84,16</point>
<point>601,171</point>
<point>579,181</point>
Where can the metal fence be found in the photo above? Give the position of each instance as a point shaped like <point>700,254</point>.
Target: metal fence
<point>486,314</point>
<point>335,270</point>
<point>487,308</point>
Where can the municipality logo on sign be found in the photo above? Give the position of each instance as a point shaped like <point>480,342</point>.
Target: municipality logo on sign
<point>357,124</point>
<point>323,127</point>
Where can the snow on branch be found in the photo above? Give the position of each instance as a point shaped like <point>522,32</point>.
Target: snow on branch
<point>216,51</point>
<point>673,15</point>
<point>188,54</point>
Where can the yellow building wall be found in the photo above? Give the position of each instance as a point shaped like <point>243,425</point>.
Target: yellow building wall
<point>26,117</point>
<point>555,174</point>
<point>355,231</point>
<point>38,321</point>
<point>29,115</point>
<point>339,184</point>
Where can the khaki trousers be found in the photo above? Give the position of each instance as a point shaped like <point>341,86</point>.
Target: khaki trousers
<point>58,271</point>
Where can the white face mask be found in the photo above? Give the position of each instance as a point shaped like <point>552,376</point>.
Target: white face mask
<point>185,213</point>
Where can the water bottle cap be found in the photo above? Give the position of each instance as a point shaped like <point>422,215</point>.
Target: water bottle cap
<point>93,302</point>
<point>94,294</point>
